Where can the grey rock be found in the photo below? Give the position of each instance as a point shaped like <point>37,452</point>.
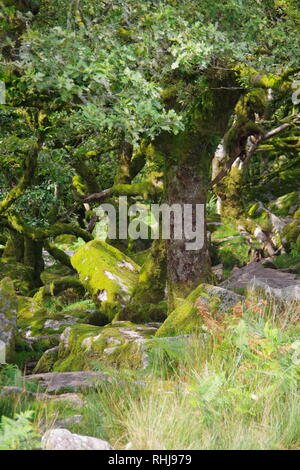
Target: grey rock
<point>275,283</point>
<point>66,422</point>
<point>62,439</point>
<point>293,269</point>
<point>56,325</point>
<point>55,382</point>
<point>268,263</point>
<point>73,399</point>
<point>227,298</point>
<point>218,271</point>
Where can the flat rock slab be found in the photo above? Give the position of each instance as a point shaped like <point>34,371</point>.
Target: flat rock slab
<point>280,284</point>
<point>73,399</point>
<point>55,382</point>
<point>62,439</point>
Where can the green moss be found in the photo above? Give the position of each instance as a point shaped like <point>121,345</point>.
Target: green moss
<point>185,319</point>
<point>79,185</point>
<point>140,257</point>
<point>107,274</point>
<point>254,210</point>
<point>146,189</point>
<point>144,312</point>
<point>8,298</point>
<point>297,214</point>
<point>266,81</point>
<point>146,303</point>
<point>68,283</point>
<point>119,344</point>
<point>229,191</point>
<point>14,247</point>
<point>169,93</point>
<point>290,233</point>
<point>57,271</point>
<point>67,240</point>
<point>28,308</point>
<point>22,276</point>
<point>264,222</point>
<point>286,204</point>
<point>46,362</point>
<point>124,34</point>
<point>27,353</point>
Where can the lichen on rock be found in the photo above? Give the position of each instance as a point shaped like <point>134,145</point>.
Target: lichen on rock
<point>119,344</point>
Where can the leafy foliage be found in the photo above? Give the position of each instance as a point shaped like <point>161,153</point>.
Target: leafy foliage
<point>18,433</point>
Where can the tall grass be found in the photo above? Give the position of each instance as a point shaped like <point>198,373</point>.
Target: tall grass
<point>237,393</point>
<point>288,259</point>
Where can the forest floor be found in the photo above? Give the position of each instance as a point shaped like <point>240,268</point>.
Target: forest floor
<point>239,392</point>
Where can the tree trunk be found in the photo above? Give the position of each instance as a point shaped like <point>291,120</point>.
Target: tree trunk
<point>186,183</point>
<point>33,257</point>
<point>14,248</point>
<point>188,157</point>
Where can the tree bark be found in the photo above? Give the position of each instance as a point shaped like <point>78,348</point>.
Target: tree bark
<point>33,257</point>
<point>188,157</point>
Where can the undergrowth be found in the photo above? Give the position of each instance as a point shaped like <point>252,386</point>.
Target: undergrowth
<point>240,391</point>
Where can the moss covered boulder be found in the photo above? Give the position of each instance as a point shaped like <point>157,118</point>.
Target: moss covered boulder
<point>84,347</point>
<point>44,315</point>
<point>107,274</point>
<point>8,316</point>
<point>47,360</point>
<point>203,306</point>
<point>30,307</point>
<point>148,298</point>
<point>54,273</point>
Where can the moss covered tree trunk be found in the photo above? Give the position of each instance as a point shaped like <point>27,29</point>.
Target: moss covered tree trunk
<point>186,183</point>
<point>188,158</point>
<point>33,257</point>
<point>14,248</point>
<point>229,192</point>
